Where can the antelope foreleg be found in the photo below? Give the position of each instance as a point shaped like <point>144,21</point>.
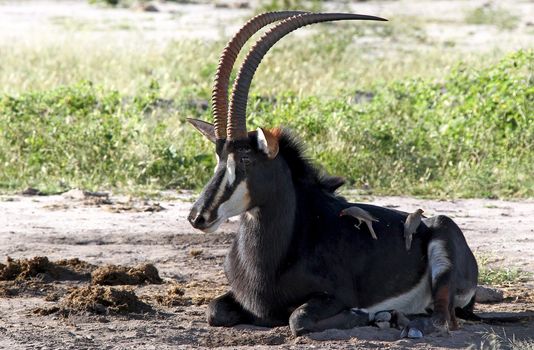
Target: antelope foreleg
<point>324,312</point>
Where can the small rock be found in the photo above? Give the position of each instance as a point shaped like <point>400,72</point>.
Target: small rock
<point>488,295</point>
<point>74,194</point>
<point>415,333</point>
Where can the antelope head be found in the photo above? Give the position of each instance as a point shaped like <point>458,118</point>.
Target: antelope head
<point>248,166</point>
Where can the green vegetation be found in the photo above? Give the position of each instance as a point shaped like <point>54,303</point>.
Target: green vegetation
<point>469,134</point>
<point>105,2</point>
<point>499,276</point>
<point>491,15</point>
<point>279,5</point>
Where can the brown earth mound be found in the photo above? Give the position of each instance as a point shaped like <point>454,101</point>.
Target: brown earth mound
<point>42,268</point>
<point>112,275</point>
<point>103,300</point>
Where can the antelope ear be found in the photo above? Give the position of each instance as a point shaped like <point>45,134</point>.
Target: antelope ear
<point>205,128</point>
<point>332,183</point>
<point>268,141</point>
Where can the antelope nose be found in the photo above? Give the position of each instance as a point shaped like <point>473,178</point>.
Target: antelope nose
<point>196,219</point>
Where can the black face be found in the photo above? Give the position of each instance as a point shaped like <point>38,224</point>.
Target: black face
<point>244,178</point>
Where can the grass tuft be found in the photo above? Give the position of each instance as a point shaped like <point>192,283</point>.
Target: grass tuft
<point>498,276</point>
<point>492,15</point>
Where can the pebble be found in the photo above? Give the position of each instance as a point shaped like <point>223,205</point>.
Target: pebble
<point>488,295</point>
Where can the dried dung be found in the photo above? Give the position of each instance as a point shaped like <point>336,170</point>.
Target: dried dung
<point>24,268</point>
<point>174,296</point>
<point>103,300</point>
<point>486,294</point>
<point>113,275</point>
<point>40,267</point>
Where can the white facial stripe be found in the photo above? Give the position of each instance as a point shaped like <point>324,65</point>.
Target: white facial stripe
<point>414,301</point>
<point>230,169</point>
<point>220,192</point>
<point>216,166</point>
<point>438,259</point>
<point>262,141</point>
<point>236,204</point>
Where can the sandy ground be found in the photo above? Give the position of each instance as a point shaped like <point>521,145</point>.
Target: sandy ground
<point>129,232</point>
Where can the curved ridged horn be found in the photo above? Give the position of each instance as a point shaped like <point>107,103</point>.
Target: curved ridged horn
<point>219,95</point>
<point>237,128</point>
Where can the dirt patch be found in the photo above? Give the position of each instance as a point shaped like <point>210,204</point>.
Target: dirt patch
<point>202,292</point>
<point>173,296</point>
<point>134,207</point>
<point>32,288</point>
<point>48,312</point>
<point>103,300</point>
<point>247,336</point>
<point>75,197</point>
<point>8,289</point>
<point>40,267</point>
<point>113,275</point>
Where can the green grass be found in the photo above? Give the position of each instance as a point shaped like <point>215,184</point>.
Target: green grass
<point>499,276</point>
<point>469,134</point>
<point>300,65</point>
<point>491,15</point>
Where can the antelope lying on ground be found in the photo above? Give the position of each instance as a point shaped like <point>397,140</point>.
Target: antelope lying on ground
<point>293,259</point>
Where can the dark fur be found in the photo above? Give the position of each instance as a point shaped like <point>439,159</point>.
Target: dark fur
<point>295,250</point>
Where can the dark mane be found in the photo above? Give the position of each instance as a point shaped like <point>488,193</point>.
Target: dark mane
<point>303,171</point>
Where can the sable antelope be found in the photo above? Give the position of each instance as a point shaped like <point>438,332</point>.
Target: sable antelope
<point>361,215</point>
<point>293,260</point>
<point>410,226</point>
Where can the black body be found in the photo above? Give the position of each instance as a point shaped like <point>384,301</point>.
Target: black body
<point>293,250</point>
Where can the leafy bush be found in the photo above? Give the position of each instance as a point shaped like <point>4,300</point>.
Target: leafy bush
<point>472,135</point>
<point>469,135</point>
<point>81,136</point>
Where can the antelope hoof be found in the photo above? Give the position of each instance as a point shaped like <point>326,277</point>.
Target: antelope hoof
<point>417,328</point>
<point>224,311</point>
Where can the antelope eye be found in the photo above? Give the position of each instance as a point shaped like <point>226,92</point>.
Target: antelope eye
<point>245,150</point>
